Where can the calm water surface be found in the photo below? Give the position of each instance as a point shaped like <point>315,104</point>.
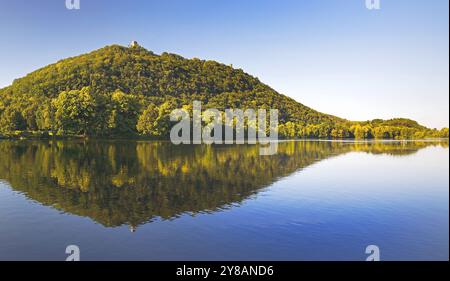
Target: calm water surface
<point>129,200</point>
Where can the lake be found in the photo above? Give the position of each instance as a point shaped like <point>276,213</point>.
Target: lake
<point>138,200</point>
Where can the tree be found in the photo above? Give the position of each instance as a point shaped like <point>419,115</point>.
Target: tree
<point>12,120</point>
<point>163,123</point>
<point>383,132</point>
<point>146,124</point>
<point>75,112</point>
<point>29,115</point>
<point>443,133</point>
<point>45,117</point>
<point>124,113</point>
<point>367,132</point>
<point>358,131</point>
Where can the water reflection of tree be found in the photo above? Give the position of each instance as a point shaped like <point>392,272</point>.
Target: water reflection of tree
<point>117,183</point>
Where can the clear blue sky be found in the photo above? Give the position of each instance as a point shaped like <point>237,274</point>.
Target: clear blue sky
<point>333,55</point>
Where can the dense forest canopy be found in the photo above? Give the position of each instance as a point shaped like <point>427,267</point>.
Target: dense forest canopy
<point>119,91</point>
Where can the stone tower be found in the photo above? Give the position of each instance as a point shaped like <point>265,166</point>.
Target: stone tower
<point>133,44</point>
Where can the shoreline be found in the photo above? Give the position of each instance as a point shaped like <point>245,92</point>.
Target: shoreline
<point>35,136</point>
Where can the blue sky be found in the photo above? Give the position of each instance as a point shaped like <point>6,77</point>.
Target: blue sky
<point>335,56</point>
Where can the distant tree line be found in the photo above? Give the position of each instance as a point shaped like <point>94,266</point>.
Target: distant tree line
<point>85,113</point>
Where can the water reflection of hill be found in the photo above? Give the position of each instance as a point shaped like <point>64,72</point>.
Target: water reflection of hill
<point>116,183</point>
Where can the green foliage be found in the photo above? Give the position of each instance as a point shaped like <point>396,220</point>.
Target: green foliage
<point>118,91</point>
<point>124,113</point>
<point>12,120</point>
<point>146,124</point>
<point>443,133</point>
<point>75,112</point>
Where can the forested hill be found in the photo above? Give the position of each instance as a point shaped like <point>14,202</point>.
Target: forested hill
<point>120,91</point>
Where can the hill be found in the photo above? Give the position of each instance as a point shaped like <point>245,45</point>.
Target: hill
<point>120,91</point>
